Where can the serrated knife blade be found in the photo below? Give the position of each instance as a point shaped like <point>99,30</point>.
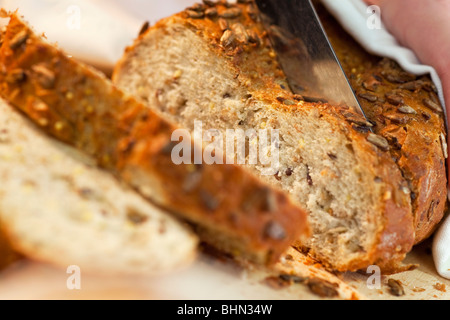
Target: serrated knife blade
<point>305,53</point>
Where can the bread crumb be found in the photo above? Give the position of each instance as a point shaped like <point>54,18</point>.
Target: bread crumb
<point>440,287</point>
<point>276,283</point>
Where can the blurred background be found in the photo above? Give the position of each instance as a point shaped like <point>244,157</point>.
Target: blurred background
<point>95,31</point>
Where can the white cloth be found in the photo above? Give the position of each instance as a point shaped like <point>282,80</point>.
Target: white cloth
<point>98,31</point>
<point>354,16</point>
<point>441,249</point>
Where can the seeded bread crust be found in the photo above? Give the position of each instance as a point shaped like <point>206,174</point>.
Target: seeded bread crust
<point>234,35</point>
<point>79,106</point>
<point>408,113</point>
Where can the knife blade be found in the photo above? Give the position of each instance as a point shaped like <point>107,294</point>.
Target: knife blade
<point>305,53</point>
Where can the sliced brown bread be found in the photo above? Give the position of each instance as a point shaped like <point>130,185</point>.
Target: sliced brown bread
<point>57,207</point>
<point>231,207</point>
<point>214,63</point>
<point>399,103</point>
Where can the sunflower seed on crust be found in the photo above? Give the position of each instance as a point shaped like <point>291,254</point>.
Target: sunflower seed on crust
<point>369,97</point>
<point>195,14</point>
<point>45,77</point>
<point>433,106</point>
<point>240,33</point>
<point>19,39</point>
<point>231,13</point>
<point>211,12</point>
<point>228,39</point>
<point>378,141</point>
<point>394,99</point>
<point>407,110</point>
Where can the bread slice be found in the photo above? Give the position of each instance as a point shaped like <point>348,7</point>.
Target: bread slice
<point>231,208</point>
<point>214,63</point>
<point>395,101</point>
<point>57,207</point>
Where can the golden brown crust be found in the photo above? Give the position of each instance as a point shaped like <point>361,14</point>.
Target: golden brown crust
<point>80,107</point>
<point>7,254</point>
<point>394,100</point>
<point>256,67</point>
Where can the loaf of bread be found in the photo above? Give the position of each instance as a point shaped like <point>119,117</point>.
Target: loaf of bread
<point>230,207</point>
<point>57,207</point>
<point>408,113</point>
<point>227,76</point>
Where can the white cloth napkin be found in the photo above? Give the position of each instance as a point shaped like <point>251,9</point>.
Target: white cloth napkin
<point>98,31</point>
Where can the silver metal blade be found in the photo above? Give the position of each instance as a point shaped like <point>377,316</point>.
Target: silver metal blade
<point>305,53</point>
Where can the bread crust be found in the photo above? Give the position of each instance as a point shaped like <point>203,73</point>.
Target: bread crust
<point>255,63</point>
<point>7,255</point>
<point>81,107</point>
<point>415,133</point>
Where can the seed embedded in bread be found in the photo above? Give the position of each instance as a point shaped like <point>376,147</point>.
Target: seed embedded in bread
<point>231,13</point>
<point>432,105</point>
<point>369,97</point>
<point>240,33</point>
<point>144,27</point>
<point>18,40</point>
<point>407,110</point>
<point>378,141</point>
<point>228,39</point>
<point>45,77</point>
<point>211,12</point>
<point>195,14</point>
<point>394,99</point>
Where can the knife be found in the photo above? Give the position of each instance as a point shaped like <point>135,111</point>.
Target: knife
<point>305,53</point>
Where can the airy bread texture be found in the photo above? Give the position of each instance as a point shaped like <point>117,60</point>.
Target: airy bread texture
<point>231,207</point>
<point>57,207</point>
<point>214,63</point>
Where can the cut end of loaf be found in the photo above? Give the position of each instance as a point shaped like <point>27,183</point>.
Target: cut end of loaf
<point>57,208</point>
<point>351,188</point>
<point>81,107</point>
